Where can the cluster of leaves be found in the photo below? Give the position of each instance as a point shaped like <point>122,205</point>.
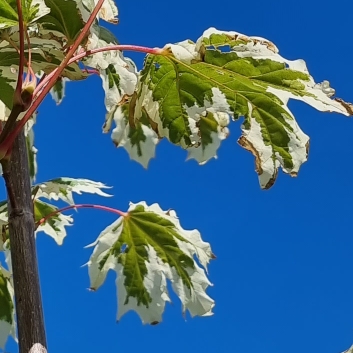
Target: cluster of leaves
<point>188,93</point>
<point>144,240</point>
<point>146,246</point>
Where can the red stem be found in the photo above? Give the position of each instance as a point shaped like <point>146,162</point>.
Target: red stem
<point>81,55</point>
<point>104,208</point>
<point>136,48</point>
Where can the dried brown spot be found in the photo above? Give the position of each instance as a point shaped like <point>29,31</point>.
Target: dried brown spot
<point>269,45</point>
<point>111,20</point>
<point>202,53</point>
<point>347,106</point>
<point>271,181</point>
<point>166,51</point>
<point>124,99</point>
<point>154,126</point>
<point>153,323</point>
<point>307,148</point>
<point>243,142</point>
<point>114,21</point>
<point>242,37</point>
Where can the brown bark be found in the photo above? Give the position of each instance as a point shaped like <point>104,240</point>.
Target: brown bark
<point>28,303</point>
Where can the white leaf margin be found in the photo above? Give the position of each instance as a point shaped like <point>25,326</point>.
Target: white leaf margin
<point>267,162</point>
<point>7,329</point>
<point>60,222</point>
<point>260,48</point>
<point>108,12</point>
<point>120,137</point>
<point>43,9</point>
<point>196,301</point>
<point>52,189</point>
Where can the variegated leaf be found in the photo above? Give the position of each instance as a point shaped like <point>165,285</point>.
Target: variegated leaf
<point>63,23</point>
<point>58,90</point>
<point>54,226</point>
<point>108,11</point>
<point>118,74</point>
<point>7,314</point>
<point>190,93</point>
<point>63,188</point>
<point>139,139</point>
<point>55,189</point>
<point>32,10</point>
<point>146,247</point>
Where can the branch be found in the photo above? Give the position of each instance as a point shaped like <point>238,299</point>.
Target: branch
<point>29,313</point>
<point>135,48</point>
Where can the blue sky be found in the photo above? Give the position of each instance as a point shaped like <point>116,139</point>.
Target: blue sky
<point>283,274</point>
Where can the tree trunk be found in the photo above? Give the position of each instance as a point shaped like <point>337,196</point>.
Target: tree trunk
<point>28,303</point>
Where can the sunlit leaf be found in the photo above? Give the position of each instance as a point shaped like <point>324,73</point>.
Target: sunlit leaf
<point>45,59</point>
<point>6,94</point>
<point>54,226</point>
<point>63,18</point>
<point>63,188</point>
<point>32,10</point>
<point>60,189</point>
<point>147,247</point>
<point>7,320</point>
<point>58,90</point>
<point>139,139</point>
<point>118,74</point>
<point>108,11</point>
<point>191,91</point>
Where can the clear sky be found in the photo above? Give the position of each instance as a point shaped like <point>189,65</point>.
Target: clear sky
<point>283,273</point>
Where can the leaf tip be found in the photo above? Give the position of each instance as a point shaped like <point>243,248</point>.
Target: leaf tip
<point>346,105</point>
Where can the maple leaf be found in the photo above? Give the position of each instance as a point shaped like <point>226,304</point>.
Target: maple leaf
<point>54,226</point>
<point>146,248</point>
<point>32,11</point>
<point>63,189</point>
<point>60,189</point>
<point>108,11</point>
<point>7,312</point>
<point>191,93</point>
